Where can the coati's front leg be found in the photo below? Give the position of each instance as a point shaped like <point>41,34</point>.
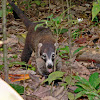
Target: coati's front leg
<point>26,54</point>
<point>41,67</point>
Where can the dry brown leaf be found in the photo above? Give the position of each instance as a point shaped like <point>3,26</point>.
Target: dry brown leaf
<point>49,98</point>
<point>16,77</point>
<point>81,40</point>
<point>82,70</point>
<point>59,91</point>
<point>43,91</point>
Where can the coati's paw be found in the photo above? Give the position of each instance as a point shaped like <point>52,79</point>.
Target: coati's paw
<point>40,66</point>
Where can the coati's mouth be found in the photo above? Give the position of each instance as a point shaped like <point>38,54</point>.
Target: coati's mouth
<point>50,70</point>
<point>50,67</point>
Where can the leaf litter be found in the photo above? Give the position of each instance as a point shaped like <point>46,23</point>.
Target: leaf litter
<point>16,33</point>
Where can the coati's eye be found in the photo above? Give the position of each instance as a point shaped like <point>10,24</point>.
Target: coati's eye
<point>53,56</point>
<point>43,56</point>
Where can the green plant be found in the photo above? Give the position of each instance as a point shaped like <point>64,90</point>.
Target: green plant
<point>1,13</point>
<point>1,67</point>
<point>18,88</point>
<point>76,34</point>
<point>89,88</point>
<point>38,2</point>
<point>57,75</point>
<point>96,21</point>
<point>9,9</point>
<point>68,81</point>
<point>64,52</point>
<point>95,9</point>
<point>77,50</point>
<point>1,49</point>
<point>55,24</point>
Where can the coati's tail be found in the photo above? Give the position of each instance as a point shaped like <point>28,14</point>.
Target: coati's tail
<point>20,14</point>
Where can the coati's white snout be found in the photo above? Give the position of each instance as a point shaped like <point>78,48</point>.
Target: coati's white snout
<point>49,62</point>
<point>49,65</point>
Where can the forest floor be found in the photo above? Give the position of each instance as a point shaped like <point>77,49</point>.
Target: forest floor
<point>84,63</point>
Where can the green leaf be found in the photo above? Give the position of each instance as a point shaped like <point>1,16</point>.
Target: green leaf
<point>70,96</point>
<point>18,88</point>
<point>69,80</point>
<point>95,10</point>
<point>98,1</point>
<point>98,91</point>
<point>94,79</point>
<point>0,13</point>
<point>64,84</point>
<point>79,94</point>
<point>67,49</point>
<point>43,4</point>
<point>78,89</point>
<point>54,76</point>
<point>15,56</point>
<point>64,50</point>
<point>38,25</point>
<point>90,97</point>
<point>1,66</point>
<point>80,48</point>
<point>63,30</point>
<point>84,86</point>
<point>92,94</point>
<point>50,16</point>
<point>58,20</point>
<point>19,63</point>
<point>82,80</point>
<point>38,2</point>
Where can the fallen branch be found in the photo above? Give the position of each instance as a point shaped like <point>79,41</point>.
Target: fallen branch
<point>89,57</point>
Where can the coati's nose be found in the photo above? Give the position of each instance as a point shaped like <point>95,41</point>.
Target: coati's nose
<point>50,66</point>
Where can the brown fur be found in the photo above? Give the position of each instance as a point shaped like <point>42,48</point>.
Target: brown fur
<point>33,39</point>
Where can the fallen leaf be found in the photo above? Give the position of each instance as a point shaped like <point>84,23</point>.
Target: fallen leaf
<point>49,98</point>
<point>16,77</point>
<point>81,40</point>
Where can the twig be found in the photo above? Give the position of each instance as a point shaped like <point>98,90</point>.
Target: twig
<point>5,38</point>
<point>69,31</point>
<point>63,5</point>
<point>49,6</point>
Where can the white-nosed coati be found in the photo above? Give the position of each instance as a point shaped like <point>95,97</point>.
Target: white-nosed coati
<point>41,41</point>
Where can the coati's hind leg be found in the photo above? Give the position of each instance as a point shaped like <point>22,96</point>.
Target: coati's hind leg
<point>26,54</point>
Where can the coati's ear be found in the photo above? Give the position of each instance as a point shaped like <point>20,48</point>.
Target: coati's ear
<point>56,44</point>
<point>39,46</point>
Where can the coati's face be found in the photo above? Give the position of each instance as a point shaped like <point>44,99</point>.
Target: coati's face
<point>47,53</point>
